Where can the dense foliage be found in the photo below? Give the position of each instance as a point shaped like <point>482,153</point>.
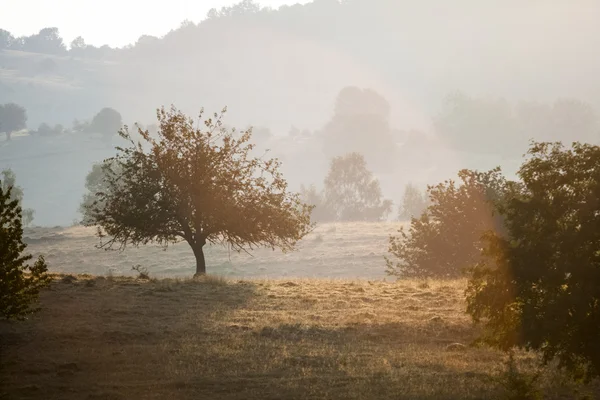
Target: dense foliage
<point>446,238</point>
<point>539,286</point>
<point>20,283</point>
<point>197,182</point>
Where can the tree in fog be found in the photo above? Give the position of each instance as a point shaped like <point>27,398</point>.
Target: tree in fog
<point>446,239</point>
<point>538,285</point>
<point>565,120</point>
<point>20,283</point>
<point>13,117</point>
<point>6,39</point>
<point>361,124</point>
<point>47,41</point>
<point>9,179</point>
<point>479,125</point>
<point>414,202</point>
<point>351,191</point>
<point>321,211</point>
<point>197,182</point>
<point>107,122</point>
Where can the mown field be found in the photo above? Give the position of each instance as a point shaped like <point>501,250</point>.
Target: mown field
<point>348,251</point>
<point>354,337</point>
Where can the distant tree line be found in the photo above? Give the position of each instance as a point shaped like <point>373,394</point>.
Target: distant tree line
<point>13,117</point>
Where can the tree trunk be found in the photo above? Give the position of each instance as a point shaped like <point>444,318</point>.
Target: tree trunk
<point>200,261</point>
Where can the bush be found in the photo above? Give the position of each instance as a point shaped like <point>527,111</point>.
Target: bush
<point>539,285</point>
<point>20,283</point>
<point>446,238</point>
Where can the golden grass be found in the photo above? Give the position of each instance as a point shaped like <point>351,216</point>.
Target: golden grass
<point>213,338</point>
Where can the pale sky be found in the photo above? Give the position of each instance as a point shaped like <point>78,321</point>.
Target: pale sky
<point>112,22</point>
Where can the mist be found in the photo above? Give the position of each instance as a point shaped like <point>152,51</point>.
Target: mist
<point>422,89</point>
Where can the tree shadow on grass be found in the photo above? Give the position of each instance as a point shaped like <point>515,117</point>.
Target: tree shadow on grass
<point>109,338</point>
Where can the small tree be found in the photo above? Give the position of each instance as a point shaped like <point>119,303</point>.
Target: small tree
<point>539,286</point>
<point>414,202</point>
<point>446,238</point>
<point>13,117</point>
<point>351,191</point>
<point>20,283</point>
<point>196,185</point>
<point>8,181</point>
<point>107,122</point>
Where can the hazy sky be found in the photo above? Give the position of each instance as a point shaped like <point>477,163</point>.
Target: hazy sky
<point>112,22</point>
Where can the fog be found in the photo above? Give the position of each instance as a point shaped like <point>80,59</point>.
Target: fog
<point>437,86</point>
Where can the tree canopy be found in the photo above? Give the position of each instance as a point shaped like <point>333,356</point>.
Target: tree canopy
<point>197,182</point>
<point>538,286</point>
<point>108,122</point>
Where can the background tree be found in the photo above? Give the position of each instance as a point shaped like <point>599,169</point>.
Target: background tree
<point>20,283</point>
<point>47,41</point>
<point>200,186</point>
<point>8,178</point>
<point>13,117</point>
<point>6,39</point>
<point>321,211</point>
<point>539,286</point>
<point>107,122</point>
<point>414,202</point>
<point>351,191</point>
<point>469,124</point>
<point>447,238</point>
<point>361,124</point>
<point>97,181</point>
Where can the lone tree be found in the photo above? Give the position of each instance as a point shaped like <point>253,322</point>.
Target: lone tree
<point>107,122</point>
<point>351,191</point>
<point>13,117</point>
<point>196,183</point>
<point>20,283</point>
<point>539,285</point>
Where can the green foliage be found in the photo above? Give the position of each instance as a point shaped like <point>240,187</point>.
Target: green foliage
<point>13,117</point>
<point>539,285</point>
<point>197,185</point>
<point>414,202</point>
<point>20,283</point>
<point>107,122</point>
<point>351,191</point>
<point>8,181</point>
<point>446,238</point>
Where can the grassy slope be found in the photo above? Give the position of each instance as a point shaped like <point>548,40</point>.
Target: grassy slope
<point>118,338</point>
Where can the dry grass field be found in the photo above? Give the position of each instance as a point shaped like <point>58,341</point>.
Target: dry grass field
<point>320,323</point>
<point>216,338</point>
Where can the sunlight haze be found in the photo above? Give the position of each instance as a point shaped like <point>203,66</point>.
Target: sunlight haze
<point>112,22</point>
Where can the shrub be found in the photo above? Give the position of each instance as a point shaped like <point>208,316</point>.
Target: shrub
<point>446,238</point>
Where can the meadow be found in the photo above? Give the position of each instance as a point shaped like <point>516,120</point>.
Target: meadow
<point>335,328</point>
